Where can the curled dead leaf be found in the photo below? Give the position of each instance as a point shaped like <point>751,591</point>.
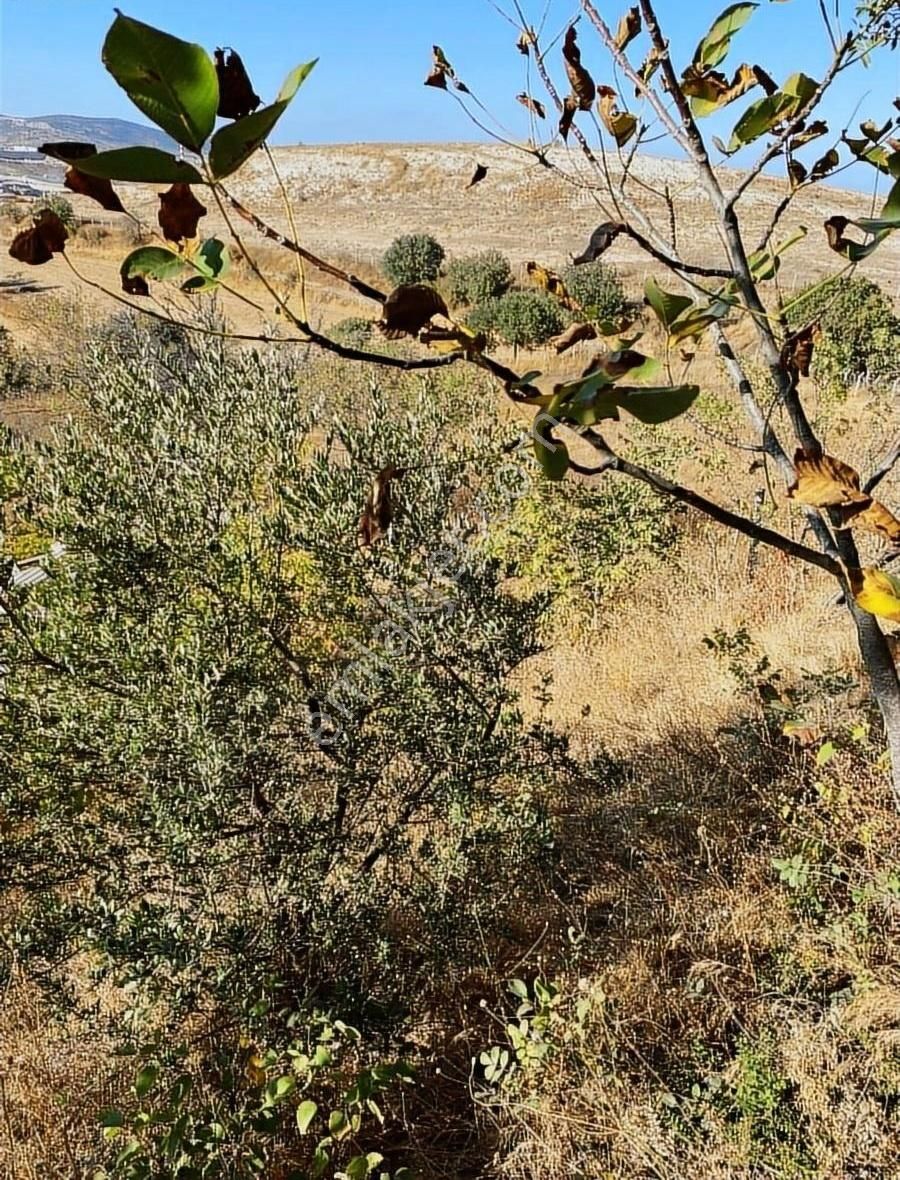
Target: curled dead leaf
<point>573,335</point>
<point>628,28</point>
<point>378,511</point>
<point>807,133</point>
<point>46,237</point>
<point>826,164</point>
<point>583,88</point>
<point>98,190</point>
<point>567,114</point>
<point>408,309</point>
<point>179,212</point>
<point>236,94</point>
<point>825,482</point>
<point>135,285</point>
<point>797,350</point>
<point>620,124</point>
<point>441,70</point>
<point>525,41</point>
<point>478,175</point>
<point>797,173</point>
<point>873,517</point>
<point>532,104</point>
<point>710,90</point>
<point>600,241</point>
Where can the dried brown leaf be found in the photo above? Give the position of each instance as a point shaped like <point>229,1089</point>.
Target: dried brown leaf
<point>532,104</point>
<point>583,88</point>
<point>135,285</point>
<point>236,94</point>
<point>573,335</point>
<point>408,309</point>
<point>873,517</point>
<point>36,245</point>
<point>628,29</point>
<point>478,175</point>
<point>620,124</point>
<point>378,511</point>
<point>600,241</point>
<point>797,350</point>
<point>570,106</point>
<point>179,212</point>
<point>825,482</point>
<point>797,173</point>
<point>98,190</point>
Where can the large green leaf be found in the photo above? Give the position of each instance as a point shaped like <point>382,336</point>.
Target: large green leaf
<point>715,45</point>
<point>766,113</point>
<point>234,144</point>
<point>173,82</point>
<point>654,404</point>
<point>667,307</point>
<point>152,262</point>
<point>145,165</point>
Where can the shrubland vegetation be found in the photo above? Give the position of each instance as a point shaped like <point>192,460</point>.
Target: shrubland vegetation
<point>307,871</point>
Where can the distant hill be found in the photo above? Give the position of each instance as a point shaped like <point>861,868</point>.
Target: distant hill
<point>105,133</point>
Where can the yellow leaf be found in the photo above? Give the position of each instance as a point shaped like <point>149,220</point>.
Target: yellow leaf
<point>620,124</point>
<point>876,592</point>
<point>825,482</point>
<point>549,280</point>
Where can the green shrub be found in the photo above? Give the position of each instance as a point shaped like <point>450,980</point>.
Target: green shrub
<point>413,258</point>
<point>63,210</point>
<point>354,332</point>
<point>860,337</point>
<point>523,318</point>
<point>16,370</point>
<point>478,277</point>
<point>597,289</point>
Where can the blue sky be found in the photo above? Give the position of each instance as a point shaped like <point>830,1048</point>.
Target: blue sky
<point>374,56</point>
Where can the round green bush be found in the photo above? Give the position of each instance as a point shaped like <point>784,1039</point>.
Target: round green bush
<point>523,318</point>
<point>597,289</point>
<point>859,331</point>
<point>62,208</point>
<point>413,258</point>
<point>478,277</point>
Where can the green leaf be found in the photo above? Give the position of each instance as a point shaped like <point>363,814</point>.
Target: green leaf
<point>144,165</point>
<point>667,307</point>
<point>552,454</point>
<point>715,45</point>
<point>279,1088</point>
<point>766,113</point>
<point>825,753</point>
<point>234,144</point>
<point>518,987</point>
<point>656,404</point>
<point>338,1126</point>
<point>362,1165</point>
<point>153,262</point>
<point>306,1112</point>
<point>146,1079</point>
<point>173,82</point>
<point>112,1118</point>
<point>212,261</point>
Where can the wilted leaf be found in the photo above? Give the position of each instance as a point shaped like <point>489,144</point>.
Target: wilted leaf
<point>873,517</point>
<point>808,134</point>
<point>453,339</point>
<point>236,94</point>
<point>548,280</point>
<point>573,335</point>
<point>796,173</point>
<point>46,237</point>
<point>620,124</point>
<point>709,91</point>
<point>536,108</point>
<point>629,27</point>
<point>550,452</point>
<point>379,507</point>
<point>647,69</point>
<point>233,144</point>
<point>98,190</point>
<point>67,152</point>
<point>715,45</point>
<point>824,482</point>
<point>524,43</point>
<point>826,164</point>
<point>579,79</point>
<point>879,227</point>
<point>478,175</point>
<point>155,262</point>
<point>876,592</point>
<point>796,353</point>
<point>570,106</point>
<point>600,241</point>
<point>408,309</point>
<point>172,82</point>
<point>441,70</point>
<point>179,213</point>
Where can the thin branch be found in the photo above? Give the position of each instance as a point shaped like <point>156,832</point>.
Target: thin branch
<point>732,520</point>
<point>883,470</point>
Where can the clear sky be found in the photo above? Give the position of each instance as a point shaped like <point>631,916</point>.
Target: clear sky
<point>374,55</point>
